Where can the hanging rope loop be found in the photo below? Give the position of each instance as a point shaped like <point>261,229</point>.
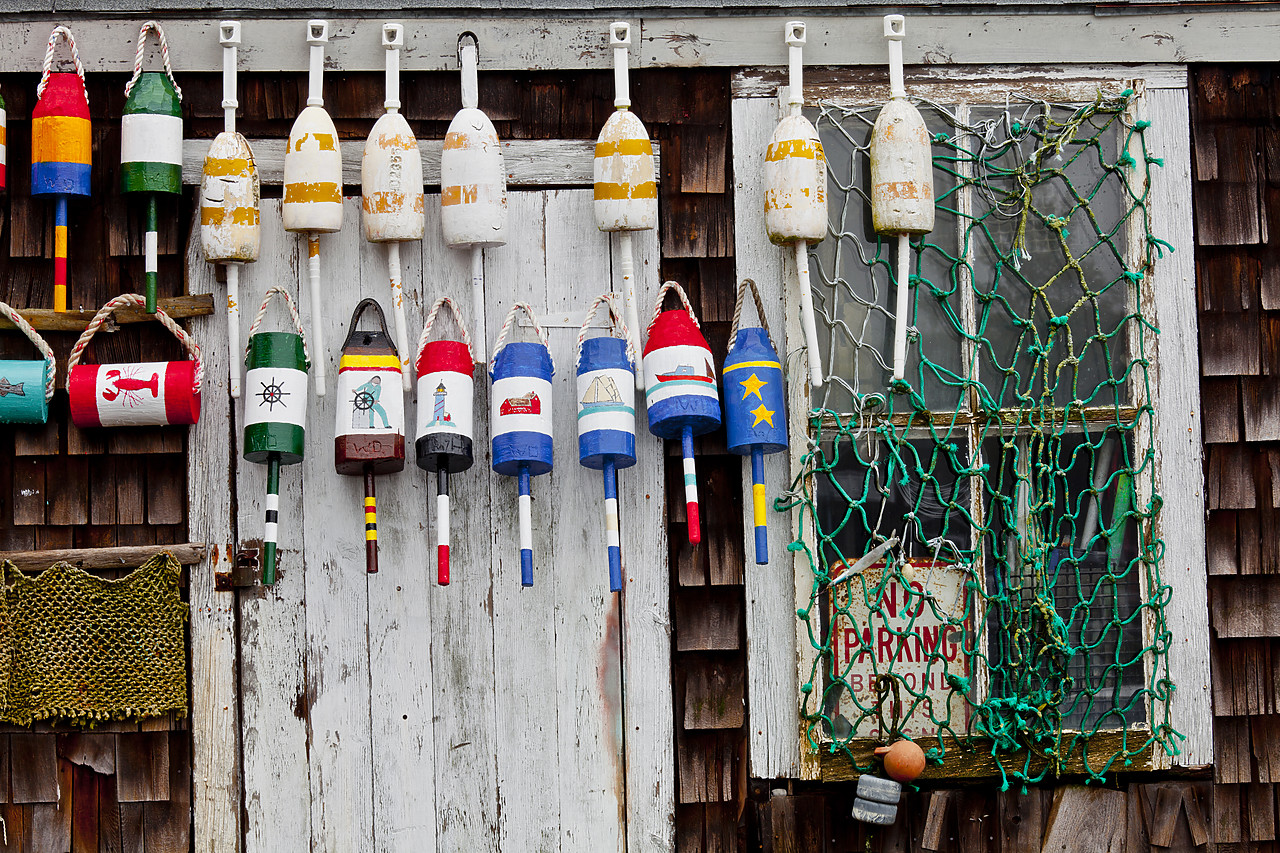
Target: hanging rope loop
<point>136,299</point>
<point>506,328</point>
<point>617,326</point>
<point>684,300</point>
<point>293,315</point>
<point>464,336</point>
<point>737,309</point>
<point>40,343</point>
<point>60,32</point>
<point>142,49</point>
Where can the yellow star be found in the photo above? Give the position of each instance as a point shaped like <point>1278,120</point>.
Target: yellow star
<point>762,414</point>
<point>752,386</point>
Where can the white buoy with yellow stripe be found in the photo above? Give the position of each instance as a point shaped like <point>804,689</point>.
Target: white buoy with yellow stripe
<point>795,200</point>
<point>313,182</point>
<point>626,182</point>
<point>391,188</point>
<point>229,199</point>
<point>473,181</point>
<point>901,180</point>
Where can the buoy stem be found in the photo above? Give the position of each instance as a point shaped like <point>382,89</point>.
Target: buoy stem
<point>894,30</point>
<point>795,38</point>
<point>477,301</point>
<point>397,313</point>
<point>151,252</point>
<point>469,60</point>
<point>229,38</point>
<point>806,315</point>
<point>442,522</point>
<point>526,529</point>
<point>60,254</point>
<point>317,322</point>
<point>370,523</point>
<point>690,486</point>
<point>902,307</point>
<point>611,525</point>
<point>317,36</point>
<point>393,40</point>
<point>758,505</point>
<point>620,39</point>
<point>626,260</point>
<point>272,517</point>
<point>233,327</point>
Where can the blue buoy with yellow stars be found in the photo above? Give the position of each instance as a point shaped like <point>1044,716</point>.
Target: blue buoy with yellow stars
<point>754,413</point>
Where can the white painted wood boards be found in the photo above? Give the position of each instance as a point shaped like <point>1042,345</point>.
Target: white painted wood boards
<point>385,713</point>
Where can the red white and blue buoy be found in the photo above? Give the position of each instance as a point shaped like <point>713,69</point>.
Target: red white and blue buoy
<point>680,383</point>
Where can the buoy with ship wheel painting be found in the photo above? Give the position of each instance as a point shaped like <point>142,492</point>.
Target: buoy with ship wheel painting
<point>369,433</point>
<point>680,388</point>
<point>26,386</point>
<point>754,405</point>
<point>520,418</point>
<point>230,233</point>
<point>61,148</point>
<point>160,393</point>
<point>391,189</point>
<point>607,416</point>
<point>446,413</point>
<point>313,183</point>
<point>151,145</point>
<point>275,410</point>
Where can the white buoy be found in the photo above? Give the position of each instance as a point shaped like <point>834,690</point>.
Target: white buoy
<point>626,183</point>
<point>391,183</point>
<point>229,199</point>
<point>901,180</point>
<point>795,201</point>
<point>313,182</point>
<point>473,181</point>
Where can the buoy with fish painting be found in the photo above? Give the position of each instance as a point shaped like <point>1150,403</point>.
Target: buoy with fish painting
<point>26,386</point>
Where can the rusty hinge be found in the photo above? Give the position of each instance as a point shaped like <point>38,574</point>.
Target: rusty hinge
<point>244,572</point>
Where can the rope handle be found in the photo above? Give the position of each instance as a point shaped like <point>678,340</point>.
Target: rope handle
<point>737,309</point>
<point>164,54</point>
<point>444,301</point>
<point>684,300</point>
<point>293,314</point>
<point>616,324</point>
<point>354,329</point>
<point>125,299</point>
<point>34,336</point>
<point>506,327</point>
<point>65,33</point>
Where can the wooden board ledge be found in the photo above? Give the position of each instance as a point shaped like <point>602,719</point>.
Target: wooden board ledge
<point>129,557</point>
<point>48,320</point>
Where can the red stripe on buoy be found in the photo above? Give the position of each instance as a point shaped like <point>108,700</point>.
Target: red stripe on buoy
<point>442,565</point>
<point>82,393</point>
<point>181,400</point>
<point>695,527</point>
<point>445,355</point>
<point>674,328</point>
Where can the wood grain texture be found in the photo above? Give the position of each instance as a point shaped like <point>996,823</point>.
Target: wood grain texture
<point>1087,820</point>
<point>142,767</point>
<point>34,762</point>
<point>48,320</point>
<point>128,557</point>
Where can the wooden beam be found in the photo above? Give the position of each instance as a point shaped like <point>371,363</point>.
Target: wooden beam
<point>48,320</point>
<point>126,557</point>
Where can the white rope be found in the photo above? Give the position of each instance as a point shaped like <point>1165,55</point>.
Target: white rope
<point>124,299</point>
<point>684,300</point>
<point>537,330</point>
<point>293,314</point>
<point>34,336</point>
<point>457,319</point>
<point>48,60</point>
<point>616,324</point>
<point>142,49</point>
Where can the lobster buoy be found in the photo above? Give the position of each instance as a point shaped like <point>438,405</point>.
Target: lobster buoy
<point>275,411</point>
<point>369,434</point>
<point>4,143</point>
<point>26,387</point>
<point>680,383</point>
<point>161,393</point>
<point>901,180</point>
<point>446,411</point>
<point>473,181</point>
<point>61,147</point>
<point>755,417</point>
<point>607,417</point>
<point>151,145</point>
<point>313,182</point>
<point>520,419</point>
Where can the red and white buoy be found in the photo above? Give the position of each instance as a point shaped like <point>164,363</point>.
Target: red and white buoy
<point>313,183</point>
<point>626,182</point>
<point>473,181</point>
<point>901,180</point>
<point>795,201</point>
<point>391,188</point>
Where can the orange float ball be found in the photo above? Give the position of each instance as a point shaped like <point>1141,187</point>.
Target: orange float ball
<point>903,760</point>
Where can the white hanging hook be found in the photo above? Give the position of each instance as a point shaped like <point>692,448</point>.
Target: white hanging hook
<point>317,37</point>
<point>620,41</point>
<point>795,36</point>
<point>229,38</point>
<point>393,40</point>
<point>469,62</point>
<point>895,28</point>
